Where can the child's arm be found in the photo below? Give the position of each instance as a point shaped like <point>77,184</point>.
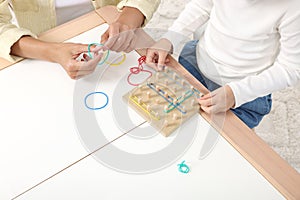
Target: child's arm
<point>283,73</point>
<point>195,14</point>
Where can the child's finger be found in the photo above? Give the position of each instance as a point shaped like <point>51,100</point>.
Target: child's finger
<point>162,57</point>
<point>206,96</point>
<point>206,102</point>
<point>207,109</point>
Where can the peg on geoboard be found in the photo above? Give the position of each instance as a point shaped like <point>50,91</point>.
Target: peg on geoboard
<point>139,100</point>
<point>157,101</point>
<point>157,88</point>
<point>166,123</point>
<point>175,116</point>
<point>192,102</point>
<point>182,82</point>
<point>183,108</point>
<point>157,75</point>
<point>156,115</point>
<point>174,76</point>
<point>166,82</point>
<point>166,69</point>
<point>175,89</point>
<point>166,95</point>
<point>148,95</point>
<point>166,107</point>
<point>175,101</point>
<point>148,107</point>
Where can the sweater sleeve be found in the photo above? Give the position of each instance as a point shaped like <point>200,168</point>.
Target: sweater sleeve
<point>283,73</point>
<point>147,7</point>
<point>195,14</point>
<point>9,33</point>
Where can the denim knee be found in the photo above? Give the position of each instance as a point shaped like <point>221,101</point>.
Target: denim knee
<point>252,113</point>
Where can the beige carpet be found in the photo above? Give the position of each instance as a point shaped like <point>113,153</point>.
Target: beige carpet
<point>281,128</point>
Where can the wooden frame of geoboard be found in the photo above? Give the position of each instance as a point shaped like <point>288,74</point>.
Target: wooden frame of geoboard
<point>276,170</point>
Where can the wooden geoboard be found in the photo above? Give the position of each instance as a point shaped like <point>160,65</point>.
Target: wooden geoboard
<point>166,100</point>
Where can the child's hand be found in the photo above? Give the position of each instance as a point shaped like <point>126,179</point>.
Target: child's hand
<point>157,54</point>
<point>219,100</point>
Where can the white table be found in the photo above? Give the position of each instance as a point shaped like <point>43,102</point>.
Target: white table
<point>39,138</point>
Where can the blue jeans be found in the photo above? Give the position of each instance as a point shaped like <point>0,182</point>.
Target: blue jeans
<point>251,113</point>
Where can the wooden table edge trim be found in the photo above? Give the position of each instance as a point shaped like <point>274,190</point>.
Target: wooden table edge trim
<point>64,32</point>
<point>262,157</point>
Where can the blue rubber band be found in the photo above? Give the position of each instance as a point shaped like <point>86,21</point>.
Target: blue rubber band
<point>91,56</point>
<point>87,96</point>
<point>183,168</point>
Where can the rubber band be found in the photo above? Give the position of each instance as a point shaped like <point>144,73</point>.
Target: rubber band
<point>118,63</point>
<point>183,168</point>
<point>137,70</point>
<point>143,106</point>
<point>90,94</point>
<point>172,106</point>
<point>137,84</point>
<point>91,56</point>
<point>169,99</point>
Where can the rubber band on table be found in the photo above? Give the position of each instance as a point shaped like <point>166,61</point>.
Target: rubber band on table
<point>117,63</point>
<point>98,108</point>
<point>91,56</point>
<point>183,168</point>
<point>137,70</point>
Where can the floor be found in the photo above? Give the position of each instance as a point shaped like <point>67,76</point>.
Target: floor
<point>281,128</point>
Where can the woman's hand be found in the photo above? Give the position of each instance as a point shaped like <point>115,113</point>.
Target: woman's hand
<point>67,54</point>
<point>219,100</point>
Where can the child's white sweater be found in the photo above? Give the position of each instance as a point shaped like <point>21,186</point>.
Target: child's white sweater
<point>251,45</point>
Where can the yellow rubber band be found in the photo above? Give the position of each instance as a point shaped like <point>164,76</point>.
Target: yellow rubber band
<point>143,107</point>
<point>118,63</point>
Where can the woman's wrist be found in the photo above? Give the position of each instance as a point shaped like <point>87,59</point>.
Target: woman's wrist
<point>132,17</point>
<point>28,47</point>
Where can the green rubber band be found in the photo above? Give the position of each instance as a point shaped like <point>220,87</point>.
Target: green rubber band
<point>183,168</point>
<point>91,56</point>
<point>172,106</point>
